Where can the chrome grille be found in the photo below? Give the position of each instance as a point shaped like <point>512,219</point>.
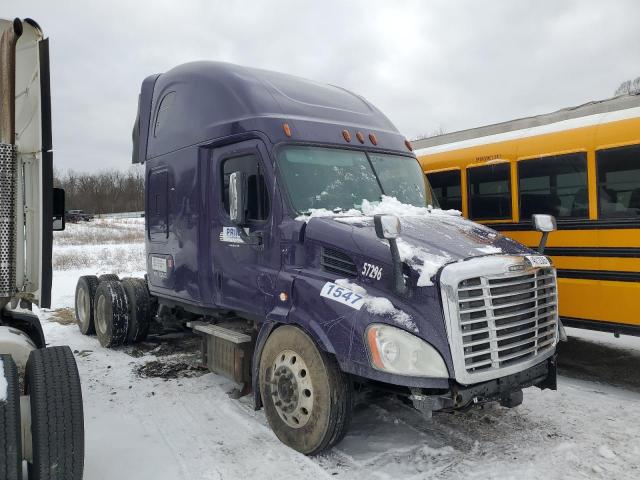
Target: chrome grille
<point>501,315</point>
<point>506,320</point>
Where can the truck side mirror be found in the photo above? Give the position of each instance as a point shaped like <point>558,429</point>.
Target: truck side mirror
<point>388,228</point>
<point>545,224</point>
<point>58,209</point>
<point>238,197</point>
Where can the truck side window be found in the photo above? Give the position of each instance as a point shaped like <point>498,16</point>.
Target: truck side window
<point>162,116</point>
<point>556,185</point>
<point>257,196</point>
<point>618,182</point>
<point>489,192</point>
<point>157,196</point>
<point>446,188</point>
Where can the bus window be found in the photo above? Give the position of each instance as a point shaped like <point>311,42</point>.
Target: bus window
<point>619,182</point>
<point>555,185</point>
<point>489,192</point>
<point>446,188</point>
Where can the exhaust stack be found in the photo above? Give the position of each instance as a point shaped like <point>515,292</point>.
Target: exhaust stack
<point>8,160</point>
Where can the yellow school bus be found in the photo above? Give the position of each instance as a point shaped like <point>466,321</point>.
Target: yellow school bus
<point>581,165</point>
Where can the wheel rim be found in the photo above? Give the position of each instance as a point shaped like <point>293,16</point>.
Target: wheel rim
<point>83,306</point>
<point>291,389</point>
<point>101,321</point>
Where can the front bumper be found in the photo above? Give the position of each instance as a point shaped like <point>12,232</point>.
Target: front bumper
<point>542,375</point>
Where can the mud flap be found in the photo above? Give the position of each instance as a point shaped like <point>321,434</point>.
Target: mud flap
<point>551,381</point>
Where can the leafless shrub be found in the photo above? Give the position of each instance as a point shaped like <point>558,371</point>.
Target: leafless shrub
<point>108,191</point>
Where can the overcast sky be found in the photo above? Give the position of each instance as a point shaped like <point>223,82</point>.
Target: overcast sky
<point>426,64</point>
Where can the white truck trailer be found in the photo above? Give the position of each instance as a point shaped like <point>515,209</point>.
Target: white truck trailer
<point>41,415</point>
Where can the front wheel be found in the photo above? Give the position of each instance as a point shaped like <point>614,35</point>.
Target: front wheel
<point>306,397</point>
<point>10,435</point>
<point>57,420</point>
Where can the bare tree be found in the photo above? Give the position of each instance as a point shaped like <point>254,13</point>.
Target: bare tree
<point>433,133</point>
<point>629,87</point>
<point>108,191</point>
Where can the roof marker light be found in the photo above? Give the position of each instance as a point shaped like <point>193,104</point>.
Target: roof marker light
<point>287,129</point>
<point>346,135</point>
<point>373,139</point>
<point>408,144</point>
<point>360,137</point>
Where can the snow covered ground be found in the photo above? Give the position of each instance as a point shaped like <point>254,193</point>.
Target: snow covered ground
<point>143,427</point>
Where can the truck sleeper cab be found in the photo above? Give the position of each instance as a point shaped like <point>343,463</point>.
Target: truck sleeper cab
<point>289,221</point>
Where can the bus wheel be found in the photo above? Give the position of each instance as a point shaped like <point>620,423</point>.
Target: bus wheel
<point>57,423</point>
<point>139,305</point>
<point>307,398</point>
<point>111,314</point>
<point>85,295</point>
<point>10,434</point>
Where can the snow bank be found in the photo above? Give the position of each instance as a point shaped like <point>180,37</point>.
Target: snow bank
<point>380,305</point>
<point>4,386</point>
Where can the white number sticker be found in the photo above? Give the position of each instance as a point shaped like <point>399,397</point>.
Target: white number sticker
<point>371,271</point>
<point>538,260</point>
<point>159,264</point>
<point>230,235</point>
<point>342,295</point>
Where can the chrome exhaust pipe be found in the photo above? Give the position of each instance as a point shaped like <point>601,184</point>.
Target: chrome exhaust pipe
<point>8,161</point>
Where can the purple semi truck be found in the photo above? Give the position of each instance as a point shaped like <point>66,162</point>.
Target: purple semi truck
<point>289,224</point>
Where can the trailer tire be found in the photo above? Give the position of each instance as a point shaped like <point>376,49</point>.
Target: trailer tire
<point>10,434</point>
<point>85,296</point>
<point>57,419</point>
<point>111,313</point>
<point>293,370</point>
<point>139,307</point>
<point>108,277</point>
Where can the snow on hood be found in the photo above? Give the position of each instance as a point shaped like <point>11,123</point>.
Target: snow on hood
<point>380,305</point>
<point>430,237</point>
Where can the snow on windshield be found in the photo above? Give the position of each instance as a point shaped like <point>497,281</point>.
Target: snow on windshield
<point>387,206</point>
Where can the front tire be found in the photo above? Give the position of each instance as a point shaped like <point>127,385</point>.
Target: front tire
<point>111,314</point>
<point>306,397</point>
<point>10,434</point>
<point>57,421</point>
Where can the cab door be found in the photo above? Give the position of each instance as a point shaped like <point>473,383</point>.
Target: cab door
<point>243,273</point>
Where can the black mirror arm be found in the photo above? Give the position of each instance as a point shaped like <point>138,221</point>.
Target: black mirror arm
<point>543,242</point>
<point>399,284</point>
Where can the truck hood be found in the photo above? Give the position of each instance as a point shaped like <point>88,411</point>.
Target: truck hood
<point>426,243</point>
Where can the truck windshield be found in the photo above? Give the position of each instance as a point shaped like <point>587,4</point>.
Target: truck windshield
<point>333,179</point>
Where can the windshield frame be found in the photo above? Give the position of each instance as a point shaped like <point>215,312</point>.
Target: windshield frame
<point>366,151</point>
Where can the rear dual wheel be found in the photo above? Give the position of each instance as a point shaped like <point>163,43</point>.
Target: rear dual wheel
<point>111,313</point>
<point>119,311</point>
<point>306,397</point>
<point>85,295</point>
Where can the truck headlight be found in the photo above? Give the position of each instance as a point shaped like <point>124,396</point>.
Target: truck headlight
<point>394,350</point>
